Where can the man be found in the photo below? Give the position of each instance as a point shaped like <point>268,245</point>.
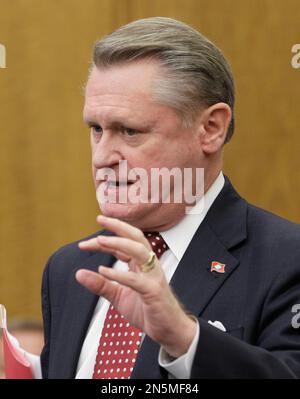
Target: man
<point>160,95</point>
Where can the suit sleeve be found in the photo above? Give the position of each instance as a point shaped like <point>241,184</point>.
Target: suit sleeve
<point>47,320</point>
<point>276,350</point>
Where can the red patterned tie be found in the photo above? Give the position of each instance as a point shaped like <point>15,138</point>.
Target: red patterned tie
<point>120,341</point>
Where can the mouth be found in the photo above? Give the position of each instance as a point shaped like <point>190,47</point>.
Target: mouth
<point>113,183</point>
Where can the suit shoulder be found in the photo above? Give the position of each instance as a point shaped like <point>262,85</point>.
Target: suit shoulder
<point>69,255</point>
<point>73,246</point>
<point>267,221</point>
<point>60,271</point>
<point>275,235</point>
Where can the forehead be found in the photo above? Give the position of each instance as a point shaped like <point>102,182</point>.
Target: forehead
<point>136,78</point>
<point>122,91</point>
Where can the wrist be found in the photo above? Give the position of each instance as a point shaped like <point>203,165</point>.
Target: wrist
<point>179,344</point>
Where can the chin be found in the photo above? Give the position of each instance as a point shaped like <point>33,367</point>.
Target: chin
<point>124,212</point>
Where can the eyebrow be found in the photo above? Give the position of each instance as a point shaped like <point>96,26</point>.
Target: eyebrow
<point>112,125</point>
<point>90,122</point>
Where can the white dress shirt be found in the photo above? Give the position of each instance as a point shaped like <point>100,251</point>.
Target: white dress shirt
<point>178,239</point>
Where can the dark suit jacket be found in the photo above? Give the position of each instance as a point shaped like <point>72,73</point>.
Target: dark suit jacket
<point>253,298</point>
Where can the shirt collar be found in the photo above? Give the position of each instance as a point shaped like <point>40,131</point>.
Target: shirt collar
<point>180,235</point>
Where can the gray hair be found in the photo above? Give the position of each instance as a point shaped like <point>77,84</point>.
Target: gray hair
<point>197,74</point>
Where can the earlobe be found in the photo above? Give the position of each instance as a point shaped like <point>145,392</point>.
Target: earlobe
<point>215,121</point>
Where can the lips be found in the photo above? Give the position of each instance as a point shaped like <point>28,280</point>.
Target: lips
<point>113,183</point>
<point>120,176</point>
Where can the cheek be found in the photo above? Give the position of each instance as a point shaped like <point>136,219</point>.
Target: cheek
<point>178,152</point>
<point>93,147</point>
<point>188,153</point>
<point>176,156</point>
<point>94,171</point>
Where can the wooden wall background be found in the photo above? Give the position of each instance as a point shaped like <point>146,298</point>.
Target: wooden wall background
<point>47,196</point>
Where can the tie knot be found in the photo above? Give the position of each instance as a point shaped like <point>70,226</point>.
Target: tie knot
<point>157,243</point>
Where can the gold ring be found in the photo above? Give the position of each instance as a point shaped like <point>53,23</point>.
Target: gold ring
<point>149,265</point>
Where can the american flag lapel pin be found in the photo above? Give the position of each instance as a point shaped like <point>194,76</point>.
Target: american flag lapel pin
<point>217,267</point>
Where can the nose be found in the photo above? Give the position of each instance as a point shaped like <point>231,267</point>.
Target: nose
<point>106,152</point>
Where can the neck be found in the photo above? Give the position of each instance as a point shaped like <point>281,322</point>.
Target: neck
<point>175,215</point>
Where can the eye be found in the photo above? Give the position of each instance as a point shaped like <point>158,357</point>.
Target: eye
<point>96,129</point>
<point>130,132</point>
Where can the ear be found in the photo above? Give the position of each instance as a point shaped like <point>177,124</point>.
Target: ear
<point>213,125</point>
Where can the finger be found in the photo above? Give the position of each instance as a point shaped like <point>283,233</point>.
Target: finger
<point>122,229</point>
<point>134,250</point>
<point>136,281</point>
<point>120,255</point>
<point>95,245</point>
<point>129,248</point>
<point>97,284</point>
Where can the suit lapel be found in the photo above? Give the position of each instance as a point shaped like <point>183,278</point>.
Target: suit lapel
<point>193,280</point>
<point>223,229</point>
<point>195,285</point>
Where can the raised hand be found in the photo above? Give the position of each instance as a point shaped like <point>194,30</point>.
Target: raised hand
<point>145,299</point>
